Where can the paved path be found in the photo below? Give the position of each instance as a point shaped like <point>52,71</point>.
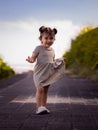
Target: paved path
<point>73,103</point>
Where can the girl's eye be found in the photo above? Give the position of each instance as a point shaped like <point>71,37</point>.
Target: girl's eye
<point>46,38</point>
<point>51,38</point>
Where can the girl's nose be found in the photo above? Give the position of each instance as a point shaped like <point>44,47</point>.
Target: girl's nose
<point>48,40</point>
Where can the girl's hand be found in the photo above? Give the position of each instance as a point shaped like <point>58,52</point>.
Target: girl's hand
<point>29,59</point>
<point>32,58</point>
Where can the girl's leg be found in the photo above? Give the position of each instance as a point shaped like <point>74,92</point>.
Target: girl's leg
<point>44,96</point>
<point>41,96</point>
<point>39,91</point>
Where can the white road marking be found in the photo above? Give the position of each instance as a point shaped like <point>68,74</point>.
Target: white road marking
<point>56,99</point>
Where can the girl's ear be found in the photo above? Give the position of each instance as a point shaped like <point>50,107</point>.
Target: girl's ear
<point>55,30</point>
<point>41,29</point>
<point>40,38</point>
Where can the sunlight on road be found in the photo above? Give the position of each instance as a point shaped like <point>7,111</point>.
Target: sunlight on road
<point>56,99</point>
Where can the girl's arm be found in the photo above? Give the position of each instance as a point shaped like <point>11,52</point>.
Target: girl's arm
<point>31,59</point>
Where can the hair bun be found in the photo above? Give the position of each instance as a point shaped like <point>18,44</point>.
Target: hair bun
<point>47,29</point>
<point>41,29</point>
<point>55,30</point>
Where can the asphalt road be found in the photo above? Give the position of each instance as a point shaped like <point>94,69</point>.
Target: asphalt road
<point>73,103</point>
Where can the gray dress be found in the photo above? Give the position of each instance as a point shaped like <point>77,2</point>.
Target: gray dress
<point>47,70</point>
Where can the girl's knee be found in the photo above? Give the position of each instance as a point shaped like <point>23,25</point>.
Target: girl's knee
<point>40,89</point>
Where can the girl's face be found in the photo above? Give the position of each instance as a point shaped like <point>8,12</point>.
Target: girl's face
<point>47,40</point>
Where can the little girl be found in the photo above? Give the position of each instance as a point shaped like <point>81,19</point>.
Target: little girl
<point>47,70</point>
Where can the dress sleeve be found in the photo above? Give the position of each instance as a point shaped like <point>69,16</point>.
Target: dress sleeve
<point>36,51</point>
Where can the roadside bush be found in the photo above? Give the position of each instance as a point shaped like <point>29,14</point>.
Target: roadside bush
<point>5,70</point>
<point>82,58</point>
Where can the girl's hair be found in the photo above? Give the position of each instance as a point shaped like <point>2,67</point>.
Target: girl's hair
<point>47,30</point>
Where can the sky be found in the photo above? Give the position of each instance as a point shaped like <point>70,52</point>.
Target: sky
<point>20,21</point>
